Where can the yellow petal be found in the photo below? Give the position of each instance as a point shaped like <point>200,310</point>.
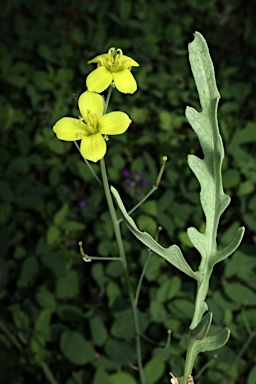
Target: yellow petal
<point>91,101</point>
<point>125,81</point>
<point>93,147</point>
<point>129,61</point>
<point>100,59</point>
<point>69,129</point>
<point>99,80</point>
<point>114,123</point>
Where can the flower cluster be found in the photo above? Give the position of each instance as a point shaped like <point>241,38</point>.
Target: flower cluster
<point>134,182</point>
<point>93,127</point>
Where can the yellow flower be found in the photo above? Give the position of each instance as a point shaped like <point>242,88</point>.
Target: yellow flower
<point>91,126</point>
<point>112,66</point>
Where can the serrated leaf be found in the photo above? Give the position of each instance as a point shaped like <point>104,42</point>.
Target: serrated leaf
<point>172,254</point>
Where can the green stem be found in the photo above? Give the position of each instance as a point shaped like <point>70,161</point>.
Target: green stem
<point>206,366</point>
<point>11,337</point>
<point>140,202</point>
<point>200,308</point>
<point>238,357</point>
<point>107,100</point>
<point>189,360</point>
<point>141,279</point>
<point>118,236</point>
<point>144,270</point>
<point>48,373</point>
<point>154,188</point>
<point>88,165</point>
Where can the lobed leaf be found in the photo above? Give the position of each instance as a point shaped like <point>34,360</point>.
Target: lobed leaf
<point>172,254</point>
<point>208,170</point>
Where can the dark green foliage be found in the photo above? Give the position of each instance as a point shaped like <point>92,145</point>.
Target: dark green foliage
<point>69,320</point>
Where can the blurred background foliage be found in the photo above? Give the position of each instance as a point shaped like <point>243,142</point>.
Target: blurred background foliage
<point>65,321</point>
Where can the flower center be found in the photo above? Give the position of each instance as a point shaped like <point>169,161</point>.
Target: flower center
<point>115,60</point>
<point>92,123</point>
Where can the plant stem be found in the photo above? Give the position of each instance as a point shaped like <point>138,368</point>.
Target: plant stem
<point>88,164</point>
<point>118,236</point>
<point>238,357</point>
<point>153,189</point>
<point>11,337</point>
<point>141,278</point>
<point>202,290</point>
<point>48,373</point>
<point>110,89</point>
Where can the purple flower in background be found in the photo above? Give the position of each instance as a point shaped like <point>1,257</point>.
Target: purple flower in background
<point>126,173</point>
<point>83,204</point>
<point>134,182</point>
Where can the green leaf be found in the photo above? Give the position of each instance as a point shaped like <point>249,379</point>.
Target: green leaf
<point>20,318</point>
<point>123,326</point>
<point>75,348</point>
<point>210,343</point>
<point>238,293</point>
<point>53,235</point>
<point>252,375</point>
<point>120,352</point>
<point>45,299</point>
<point>60,216</point>
<point>168,289</point>
<point>67,286</point>
<point>157,311</point>
<point>98,330</point>
<point>102,377</point>
<point>76,378</point>
<point>154,370</point>
<point>40,334</point>
<point>146,222</point>
<point>172,254</point>
<point>230,248</point>
<point>208,170</point>
<point>122,377</point>
<point>202,328</point>
<point>241,265</point>
<point>29,269</point>
<point>68,312</point>
<point>73,226</point>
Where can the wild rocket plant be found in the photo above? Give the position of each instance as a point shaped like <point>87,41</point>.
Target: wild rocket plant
<point>93,128</point>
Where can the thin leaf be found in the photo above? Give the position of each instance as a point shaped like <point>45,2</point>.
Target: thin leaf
<point>172,254</point>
